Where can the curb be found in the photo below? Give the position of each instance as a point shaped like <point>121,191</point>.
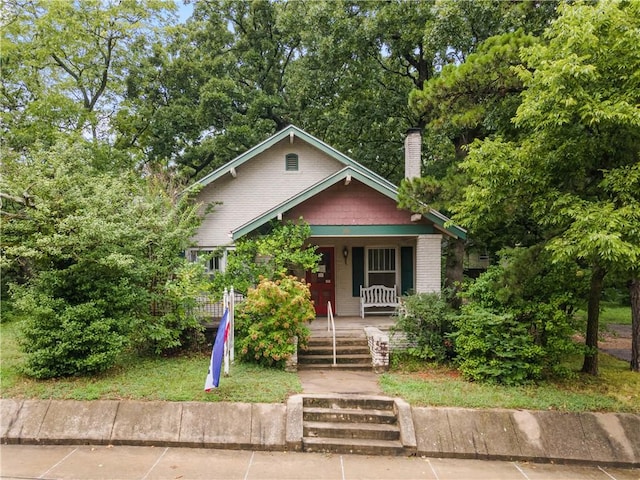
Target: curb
<point>607,439</point>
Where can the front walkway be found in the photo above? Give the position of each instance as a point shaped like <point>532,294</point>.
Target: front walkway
<point>342,382</point>
<point>339,382</point>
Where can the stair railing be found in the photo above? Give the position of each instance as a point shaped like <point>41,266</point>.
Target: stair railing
<point>331,326</point>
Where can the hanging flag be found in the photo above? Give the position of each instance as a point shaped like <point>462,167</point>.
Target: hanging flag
<point>213,376</point>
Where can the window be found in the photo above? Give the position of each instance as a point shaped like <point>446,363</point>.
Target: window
<point>291,162</point>
<point>213,259</point>
<point>381,266</point>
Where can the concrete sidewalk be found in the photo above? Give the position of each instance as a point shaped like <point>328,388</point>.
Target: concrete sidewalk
<point>67,462</point>
<point>607,439</point>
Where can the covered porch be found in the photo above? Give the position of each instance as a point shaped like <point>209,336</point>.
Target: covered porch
<point>408,263</point>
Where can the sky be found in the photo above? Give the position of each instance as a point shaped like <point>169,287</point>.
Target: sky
<point>184,11</point>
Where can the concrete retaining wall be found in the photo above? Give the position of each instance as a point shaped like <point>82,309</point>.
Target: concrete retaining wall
<point>541,436</point>
<point>257,426</point>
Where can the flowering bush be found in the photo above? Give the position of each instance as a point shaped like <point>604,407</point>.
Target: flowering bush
<point>268,320</point>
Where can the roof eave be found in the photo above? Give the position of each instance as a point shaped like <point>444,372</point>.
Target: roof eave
<point>279,136</point>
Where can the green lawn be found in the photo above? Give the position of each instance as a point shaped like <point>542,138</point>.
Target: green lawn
<point>172,379</point>
<point>616,389</point>
<point>182,379</point>
<point>610,313</point>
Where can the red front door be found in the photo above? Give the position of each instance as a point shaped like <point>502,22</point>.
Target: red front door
<point>322,282</point>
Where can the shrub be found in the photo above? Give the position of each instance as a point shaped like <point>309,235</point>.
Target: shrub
<point>175,325</point>
<point>281,251</point>
<point>271,316</point>
<point>90,251</point>
<point>536,298</point>
<point>426,320</point>
<point>63,340</point>
<point>496,348</point>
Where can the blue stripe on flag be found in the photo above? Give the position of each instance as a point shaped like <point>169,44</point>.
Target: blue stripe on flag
<point>217,353</point>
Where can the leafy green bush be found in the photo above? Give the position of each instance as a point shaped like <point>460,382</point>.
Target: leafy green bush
<point>426,320</point>
<point>281,251</point>
<point>63,340</point>
<point>95,249</point>
<point>175,324</point>
<point>496,348</point>
<point>271,316</point>
<point>516,325</point>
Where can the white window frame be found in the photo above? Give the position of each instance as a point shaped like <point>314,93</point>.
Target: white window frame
<point>367,267</point>
<point>215,264</point>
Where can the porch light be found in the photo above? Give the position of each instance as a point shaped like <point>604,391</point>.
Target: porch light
<point>345,253</point>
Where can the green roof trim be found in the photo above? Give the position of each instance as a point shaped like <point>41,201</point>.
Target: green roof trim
<point>271,141</point>
<point>370,230</point>
<point>384,188</point>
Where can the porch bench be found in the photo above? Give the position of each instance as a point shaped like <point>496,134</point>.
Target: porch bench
<point>377,296</point>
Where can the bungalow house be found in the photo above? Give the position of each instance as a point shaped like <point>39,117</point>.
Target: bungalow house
<point>362,236</point>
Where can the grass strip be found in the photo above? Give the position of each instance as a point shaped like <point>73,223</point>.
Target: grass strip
<point>172,379</point>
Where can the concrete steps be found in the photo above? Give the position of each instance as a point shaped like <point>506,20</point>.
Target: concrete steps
<point>359,447</point>
<point>361,431</point>
<point>352,353</point>
<point>360,425</point>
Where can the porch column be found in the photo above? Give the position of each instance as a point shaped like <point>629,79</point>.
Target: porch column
<point>428,263</point>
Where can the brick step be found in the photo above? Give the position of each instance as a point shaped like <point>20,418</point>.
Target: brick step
<point>378,431</point>
<point>348,415</point>
<point>341,359</point>
<point>352,445</point>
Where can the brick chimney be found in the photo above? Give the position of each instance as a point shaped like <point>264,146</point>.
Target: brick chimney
<point>413,153</point>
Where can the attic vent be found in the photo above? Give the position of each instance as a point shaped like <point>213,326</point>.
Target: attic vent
<point>291,162</point>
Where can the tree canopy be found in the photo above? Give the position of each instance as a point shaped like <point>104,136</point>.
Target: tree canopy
<point>574,166</point>
<point>64,64</point>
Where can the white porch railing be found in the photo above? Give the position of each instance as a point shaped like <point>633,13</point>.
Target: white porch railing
<point>331,326</point>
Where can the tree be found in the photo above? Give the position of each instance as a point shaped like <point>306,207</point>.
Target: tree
<point>96,250</point>
<point>473,94</point>
<point>575,164</point>
<point>239,71</point>
<point>64,64</point>
<point>219,87</point>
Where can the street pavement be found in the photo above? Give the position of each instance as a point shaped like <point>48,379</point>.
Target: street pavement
<point>19,462</point>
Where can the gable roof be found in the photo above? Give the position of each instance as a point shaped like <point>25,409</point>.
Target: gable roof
<point>286,132</point>
<point>362,175</point>
<point>352,169</point>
